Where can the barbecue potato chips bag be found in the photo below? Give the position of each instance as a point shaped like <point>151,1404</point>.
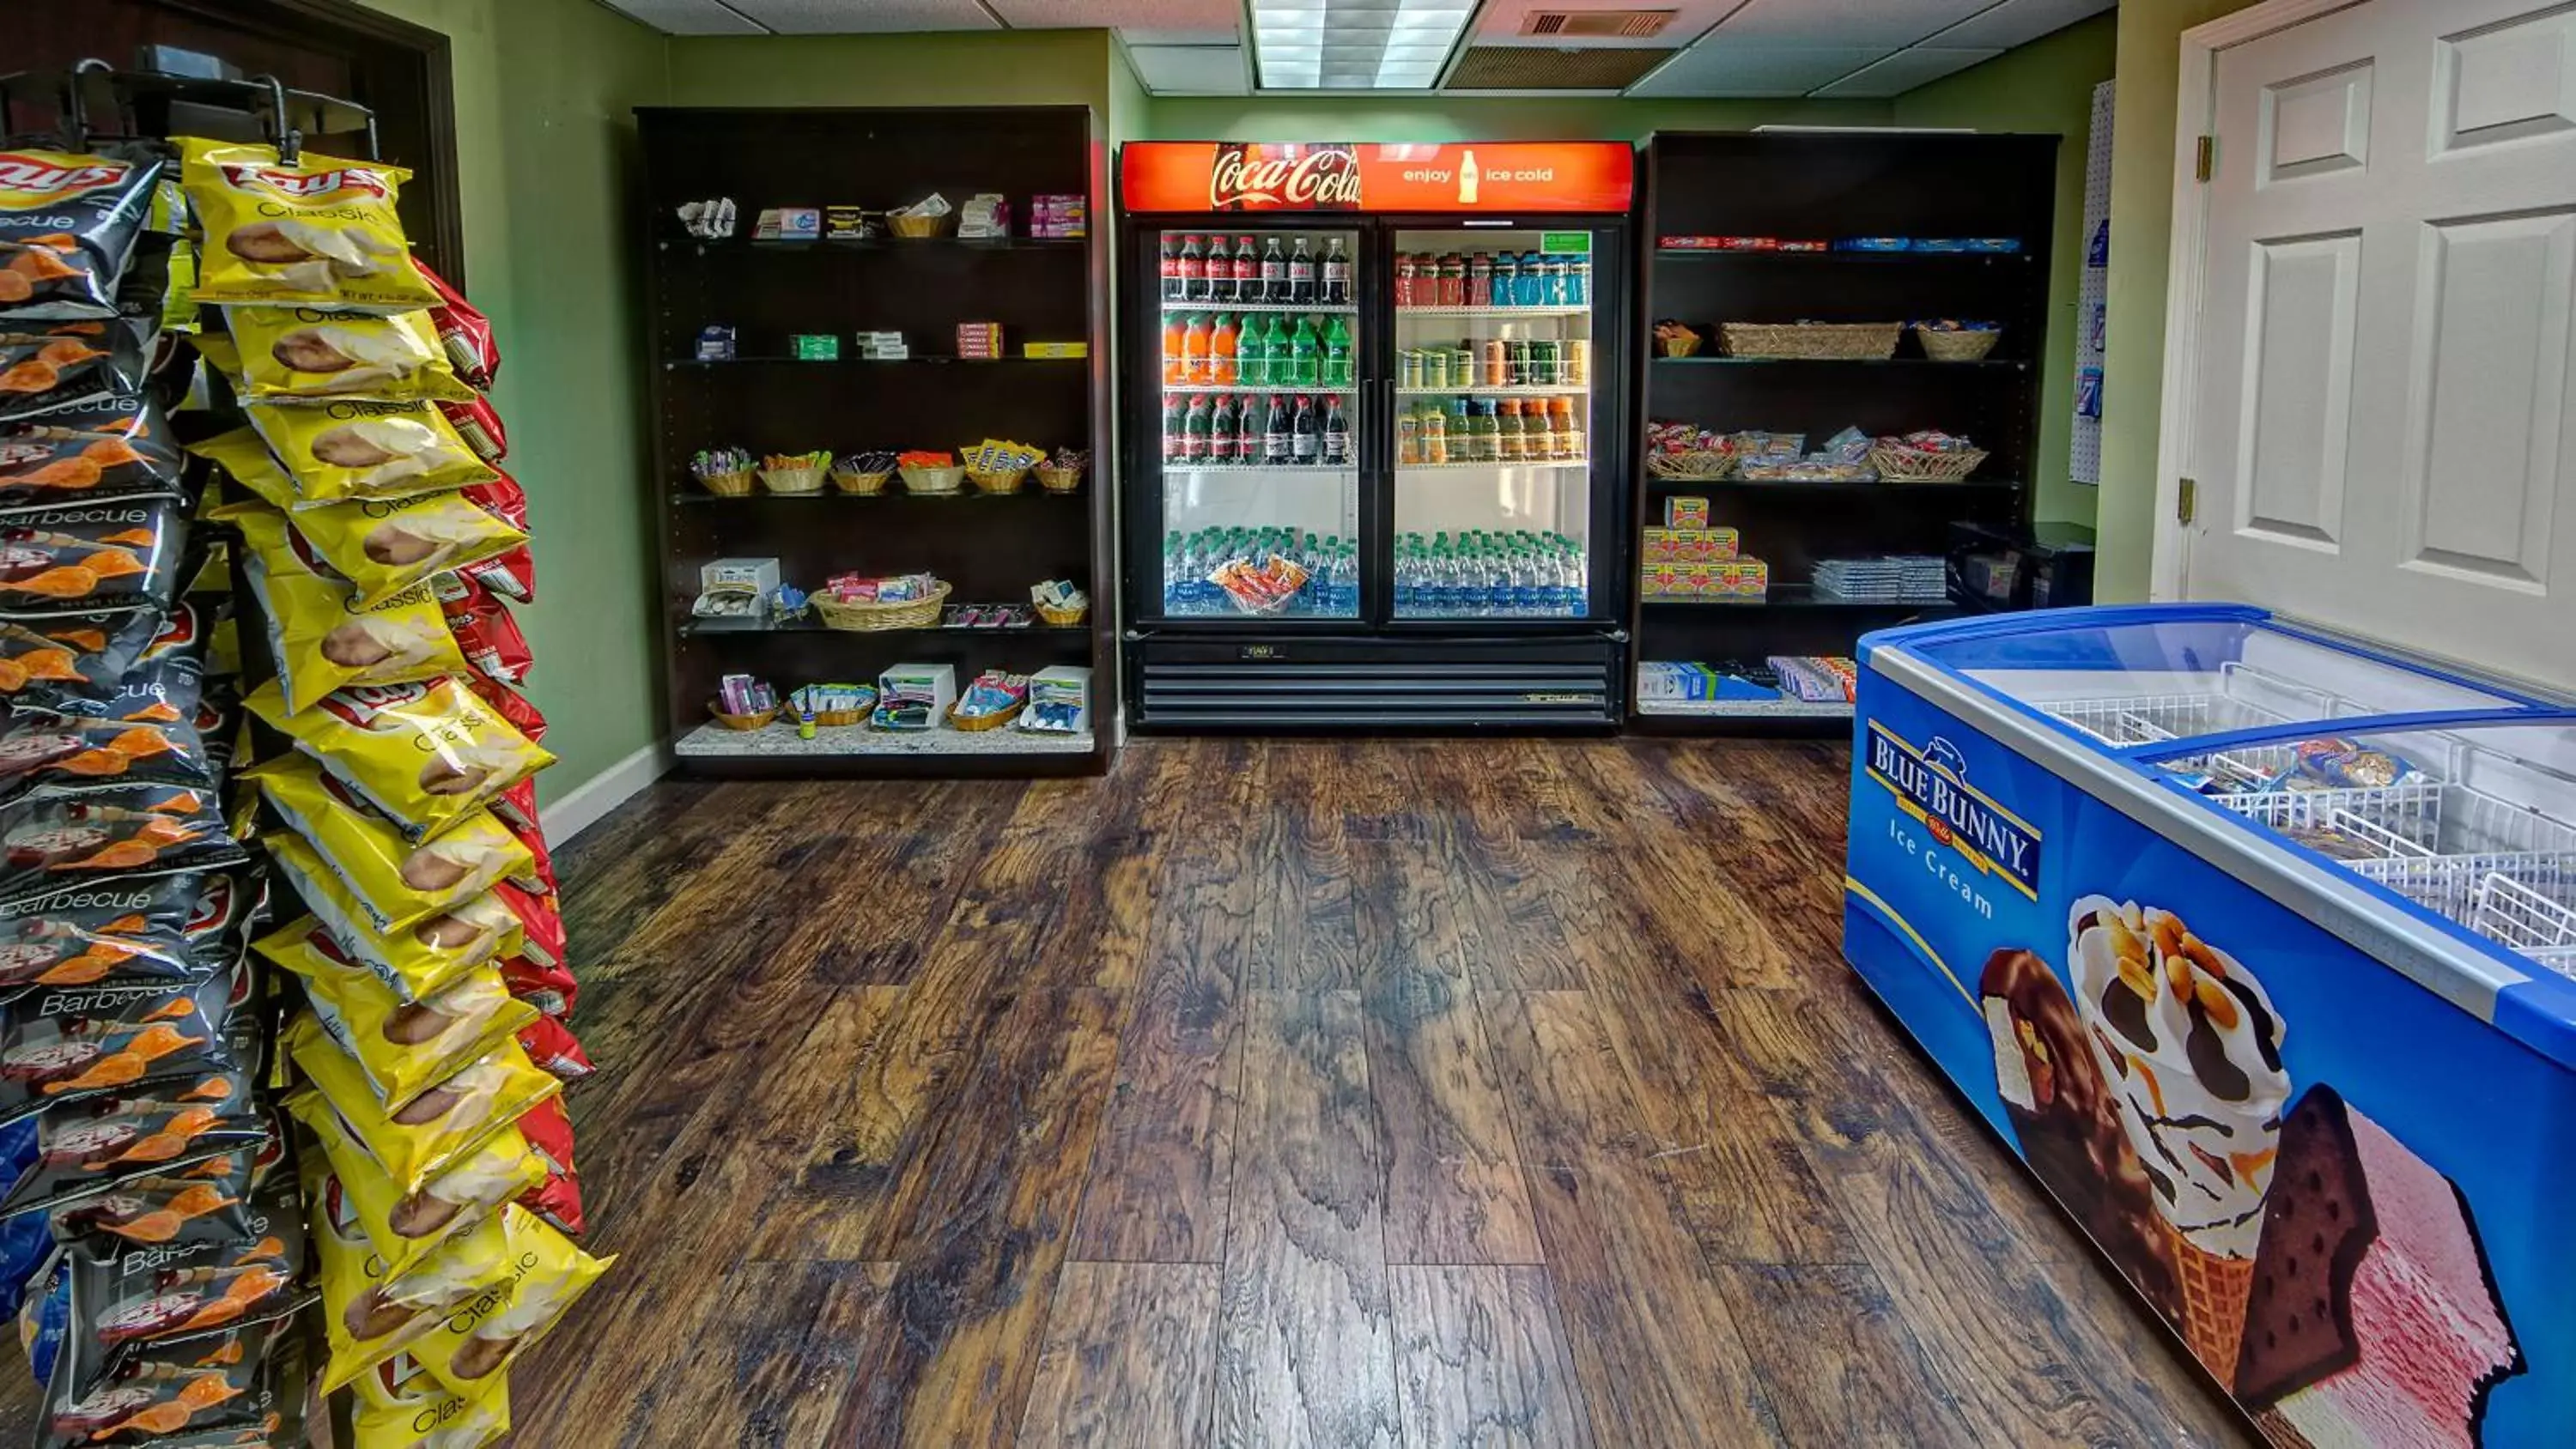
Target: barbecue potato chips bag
<point>399,1405</point>
<point>53,752</point>
<point>390,879</point>
<point>368,1314</point>
<point>107,1142</point>
<point>305,353</point>
<point>152,928</point>
<point>338,451</point>
<point>426,756</point>
<point>406,1228</point>
<point>53,840</point>
<point>111,448</point>
<point>44,660</point>
<point>241,1387</point>
<point>66,364</point>
<point>322,637</point>
<point>89,558</point>
<point>219,1199</point>
<point>545,1273</point>
<point>68,224</point>
<point>321,232</point>
<point>381,546</point>
<point>435,1130</point>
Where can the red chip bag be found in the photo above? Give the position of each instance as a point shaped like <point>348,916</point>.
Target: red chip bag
<point>544,870</point>
<point>552,1046</point>
<point>517,807</point>
<point>510,705</point>
<point>480,427</point>
<point>464,331</point>
<point>485,631</point>
<point>558,1199</point>
<point>513,574</point>
<point>536,972</point>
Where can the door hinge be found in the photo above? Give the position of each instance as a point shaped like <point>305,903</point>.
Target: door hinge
<point>2205,158</point>
<point>2187,501</point>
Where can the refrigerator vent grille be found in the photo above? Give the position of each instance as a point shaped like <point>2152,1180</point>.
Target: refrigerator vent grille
<point>1596,24</point>
<point>1542,68</point>
<point>1209,693</point>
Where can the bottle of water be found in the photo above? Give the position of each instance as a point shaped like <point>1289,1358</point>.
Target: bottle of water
<point>1346,583</point>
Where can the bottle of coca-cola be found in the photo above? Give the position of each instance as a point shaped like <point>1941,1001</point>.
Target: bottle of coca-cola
<point>1306,439</point>
<point>1176,446</point>
<point>1224,428</point>
<point>1274,271</point>
<point>1220,272</point>
<point>1193,271</point>
<point>1247,271</point>
<point>1301,274</point>
<point>1337,435</point>
<point>1172,291</point>
<point>1195,430</point>
<point>1337,274</point>
<point>1276,447</point>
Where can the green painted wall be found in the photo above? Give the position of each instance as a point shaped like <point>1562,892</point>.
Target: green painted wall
<point>2046,88</point>
<point>1333,118</point>
<point>546,156</point>
<point>979,68</point>
<point>2142,181</point>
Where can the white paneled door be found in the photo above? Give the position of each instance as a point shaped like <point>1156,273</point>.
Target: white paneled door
<point>2382,396</point>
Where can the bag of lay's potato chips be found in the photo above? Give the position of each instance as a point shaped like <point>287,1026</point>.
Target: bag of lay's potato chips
<point>426,756</point>
<point>478,1342</point>
<point>399,1405</point>
<point>217,1200</point>
<point>322,232</point>
<point>114,448</point>
<point>74,656</point>
<point>338,451</point>
<point>392,879</point>
<point>322,637</point>
<point>308,950</point>
<point>242,1387</point>
<point>47,366</point>
<point>368,1314</point>
<point>41,751</point>
<point>107,1143</point>
<point>438,944</point>
<point>432,1132</point>
<point>548,1129</point>
<point>90,558</point>
<point>381,546</point>
<point>289,353</point>
<point>68,225</point>
<point>405,1228</point>
<point>404,1048</point>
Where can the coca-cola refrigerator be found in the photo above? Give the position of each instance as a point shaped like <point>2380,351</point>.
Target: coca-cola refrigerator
<point>1374,453</point>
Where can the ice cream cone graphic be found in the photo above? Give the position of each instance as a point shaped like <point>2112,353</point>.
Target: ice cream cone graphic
<point>2193,1047</point>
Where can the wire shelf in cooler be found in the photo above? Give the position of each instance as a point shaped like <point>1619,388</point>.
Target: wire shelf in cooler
<point>2538,925</point>
<point>1262,470</point>
<point>1210,389</point>
<point>1574,310</point>
<point>1488,465</point>
<point>1321,309</point>
<point>1571,389</point>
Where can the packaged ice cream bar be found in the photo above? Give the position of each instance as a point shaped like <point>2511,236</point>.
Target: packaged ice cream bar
<point>289,354</point>
<point>320,232</point>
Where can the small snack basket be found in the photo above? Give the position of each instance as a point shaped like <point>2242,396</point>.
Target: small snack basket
<point>724,472</point>
<point>1685,452</point>
<point>1059,604</point>
<point>864,605</point>
<point>862,474</point>
<point>833,706</point>
<point>743,703</point>
<point>929,472</point>
<point>1062,473</point>
<point>1951,341</point>
<point>929,217</point>
<point>1811,341</point>
<point>992,701</point>
<point>794,473</point>
<point>1929,456</point>
<point>997,465</point>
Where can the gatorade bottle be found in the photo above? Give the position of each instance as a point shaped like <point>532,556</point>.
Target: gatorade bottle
<point>1221,351</point>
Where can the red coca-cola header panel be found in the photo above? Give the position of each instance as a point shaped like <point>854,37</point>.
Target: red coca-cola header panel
<point>1469,176</point>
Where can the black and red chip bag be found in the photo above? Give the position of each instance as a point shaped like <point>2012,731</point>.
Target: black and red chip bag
<point>464,331</point>
<point>68,225</point>
<point>54,839</point>
<point>114,448</point>
<point>553,1047</point>
<point>510,705</point>
<point>480,427</point>
<point>163,1130</point>
<point>486,634</point>
<point>51,752</point>
<point>145,928</point>
<point>45,366</point>
<point>65,1044</point>
<point>558,1199</point>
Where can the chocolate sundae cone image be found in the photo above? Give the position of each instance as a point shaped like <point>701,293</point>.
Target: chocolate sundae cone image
<point>2373,1319</point>
<point>2192,1049</point>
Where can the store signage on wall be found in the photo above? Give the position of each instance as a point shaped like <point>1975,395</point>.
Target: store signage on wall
<point>1482,176</point>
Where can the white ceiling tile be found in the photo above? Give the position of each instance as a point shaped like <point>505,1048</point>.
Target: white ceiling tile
<point>1127,15</point>
<point>1158,35</point>
<point>1190,70</point>
<point>2015,21</point>
<point>1841,22</point>
<point>688,17</point>
<point>1714,68</point>
<point>1903,71</point>
<point>851,17</point>
<point>1500,22</point>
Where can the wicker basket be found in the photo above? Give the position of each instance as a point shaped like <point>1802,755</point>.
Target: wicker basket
<point>1899,464</point>
<point>865,485</point>
<point>1958,346</point>
<point>973,723</point>
<point>998,480</point>
<point>1699,465</point>
<point>1063,618</point>
<point>744,722</point>
<point>792,480</point>
<point>867,618</point>
<point>1840,341</point>
<point>937,481</point>
<point>1685,345</point>
<point>832,719</point>
<point>919,228</point>
<point>1055,478</point>
<point>727,485</point>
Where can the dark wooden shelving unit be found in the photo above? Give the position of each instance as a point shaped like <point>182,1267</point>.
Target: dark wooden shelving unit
<point>767,401</point>
<point>1820,186</point>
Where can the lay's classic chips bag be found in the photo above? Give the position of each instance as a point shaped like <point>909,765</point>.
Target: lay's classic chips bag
<point>426,756</point>
<point>383,546</point>
<point>68,224</point>
<point>321,233</point>
<point>322,637</point>
<point>290,353</point>
<point>394,881</point>
<point>401,1405</point>
<point>368,1314</point>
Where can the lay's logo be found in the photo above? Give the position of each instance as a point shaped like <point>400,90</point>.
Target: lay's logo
<point>1931,784</point>
<point>52,176</point>
<point>308,186</point>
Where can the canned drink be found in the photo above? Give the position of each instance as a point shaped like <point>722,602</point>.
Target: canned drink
<point>1506,269</point>
<point>1516,368</point>
<point>1435,366</point>
<point>1462,365</point>
<point>1480,280</point>
<point>1542,365</point>
<point>1408,368</point>
<point>1577,366</point>
<point>1498,363</point>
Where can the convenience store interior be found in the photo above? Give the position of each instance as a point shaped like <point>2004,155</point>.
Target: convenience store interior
<point>1364,887</point>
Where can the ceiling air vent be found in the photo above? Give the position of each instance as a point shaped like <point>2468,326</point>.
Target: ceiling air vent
<point>1595,24</point>
<point>1544,68</point>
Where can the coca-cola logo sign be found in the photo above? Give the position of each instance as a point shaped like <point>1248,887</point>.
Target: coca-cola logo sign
<point>1308,178</point>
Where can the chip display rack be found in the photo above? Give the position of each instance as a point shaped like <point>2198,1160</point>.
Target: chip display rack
<point>982,545</point>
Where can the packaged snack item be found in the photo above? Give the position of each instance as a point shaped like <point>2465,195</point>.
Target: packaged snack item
<point>434,1131</point>
<point>163,683</point>
<point>103,1143</point>
<point>407,1047</point>
<point>67,1043</point>
<point>366,450</point>
<point>239,1386</point>
<point>90,558</point>
<point>480,426</point>
<point>485,631</point>
<point>406,1228</point>
<point>321,232</point>
<point>369,1314</point>
<point>45,661</point>
<point>558,1198</point>
<point>47,751</point>
<point>556,1051</point>
<point>226,1198</point>
<point>426,756</point>
<point>510,705</point>
<point>399,1405</point>
<point>68,224</point>
<point>306,948</point>
<point>306,353</point>
<point>546,1273</point>
<point>322,637</point>
<point>384,546</point>
<point>2342,764</point>
<point>47,366</point>
<point>55,839</point>
<point>392,880</point>
<point>464,332</point>
<point>123,1293</point>
<point>152,928</point>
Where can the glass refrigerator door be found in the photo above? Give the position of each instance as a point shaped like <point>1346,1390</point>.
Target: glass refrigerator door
<point>1261,413</point>
<point>1493,417</point>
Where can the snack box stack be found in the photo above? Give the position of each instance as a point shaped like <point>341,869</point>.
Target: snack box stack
<point>979,341</point>
<point>1895,578</point>
<point>1719,581</point>
<point>1816,678</point>
<point>1672,681</point>
<point>1689,545</point>
<point>378,552</point>
<point>1059,701</point>
<point>1056,216</point>
<point>914,696</point>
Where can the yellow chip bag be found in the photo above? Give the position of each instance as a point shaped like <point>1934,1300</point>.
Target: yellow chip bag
<point>288,353</point>
<point>434,947</point>
<point>322,232</point>
<point>407,1228</point>
<point>220,354</point>
<point>391,880</point>
<point>368,1314</point>
<point>435,1130</point>
<point>319,633</point>
<point>400,1405</point>
<point>404,1048</point>
<point>477,1341</point>
<point>337,451</point>
<point>382,545</point>
<point>426,756</point>
<point>308,950</point>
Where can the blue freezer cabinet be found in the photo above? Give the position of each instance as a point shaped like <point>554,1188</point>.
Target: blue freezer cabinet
<point>2258,946</point>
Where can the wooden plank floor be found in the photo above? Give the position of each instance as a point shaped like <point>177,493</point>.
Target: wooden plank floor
<point>1327,1094</point>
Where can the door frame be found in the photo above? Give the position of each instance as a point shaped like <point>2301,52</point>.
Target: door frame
<point>2195,116</point>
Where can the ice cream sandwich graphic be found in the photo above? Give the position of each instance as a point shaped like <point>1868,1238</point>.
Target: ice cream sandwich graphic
<point>2372,1320</point>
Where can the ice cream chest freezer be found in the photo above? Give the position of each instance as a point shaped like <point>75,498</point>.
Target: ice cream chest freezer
<point>2258,945</point>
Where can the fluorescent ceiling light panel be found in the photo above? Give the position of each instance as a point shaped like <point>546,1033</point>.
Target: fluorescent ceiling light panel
<point>1356,44</point>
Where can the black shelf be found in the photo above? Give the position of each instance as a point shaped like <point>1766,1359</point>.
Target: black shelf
<point>930,246</point>
<point>700,628</point>
<point>693,363</point>
<point>1996,364</point>
<point>1709,254</point>
<point>1802,596</point>
<point>892,493</point>
<point>1875,488</point>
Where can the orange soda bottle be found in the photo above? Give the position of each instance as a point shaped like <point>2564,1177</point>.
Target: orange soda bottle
<point>1221,343</point>
<point>1194,350</point>
<point>1175,369</point>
